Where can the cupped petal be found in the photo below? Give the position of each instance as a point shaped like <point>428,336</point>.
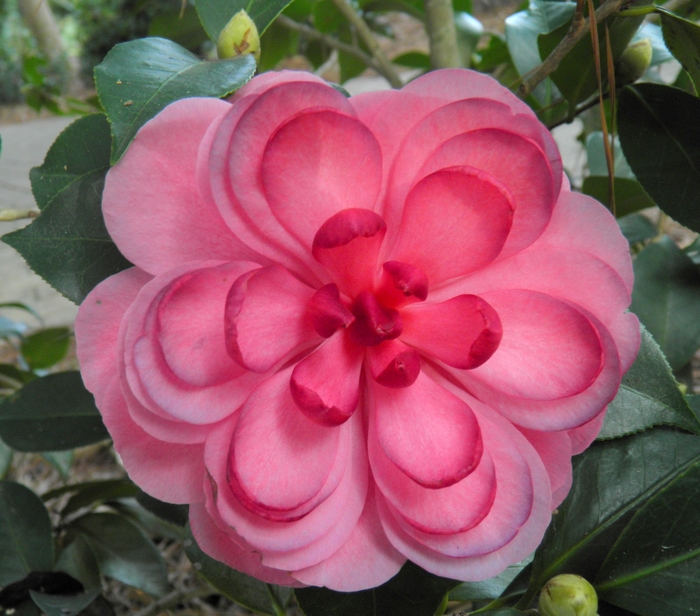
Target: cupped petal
<point>463,332</point>
<point>317,164</point>
<point>97,327</point>
<point>267,318</point>
<point>455,221</point>
<point>325,385</point>
<point>554,449</point>
<point>393,364</point>
<point>300,464</point>
<point>401,284</point>
<point>365,560</point>
<point>428,433</point>
<point>327,311</point>
<point>171,472</point>
<point>152,207</point>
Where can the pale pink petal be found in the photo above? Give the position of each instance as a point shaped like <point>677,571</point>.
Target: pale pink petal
<point>326,384</point>
<point>151,204</point>
<point>270,79</point>
<point>97,327</point>
<point>584,435</point>
<point>463,331</point>
<point>365,560</point>
<point>267,318</point>
<point>171,472</point>
<point>554,449</point>
<point>427,432</point>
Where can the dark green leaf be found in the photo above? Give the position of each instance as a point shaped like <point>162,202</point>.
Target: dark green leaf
<point>181,27</point>
<point>79,150</point>
<point>98,492</point>
<point>663,148</point>
<point>629,194</point>
<point>124,552</point>
<point>5,459</point>
<point>276,44</point>
<point>637,228</point>
<point>151,524</point>
<point>488,589</point>
<point>239,587</point>
<point>11,377</point>
<point>666,298</point>
<point>413,59</point>
<point>410,7</point>
<point>611,481</point>
<point>28,608</point>
<point>215,14</point>
<point>26,543</point>
<point>507,611</point>
<point>140,78</point>
<point>682,38</point>
<point>327,17</point>
<point>411,591</point>
<point>175,514</point>
<point>78,560</point>
<point>45,347</point>
<point>64,605</point>
<point>53,413</point>
<point>68,245</point>
<point>648,396</point>
<point>654,566</point>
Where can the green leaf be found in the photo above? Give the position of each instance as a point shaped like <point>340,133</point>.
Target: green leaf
<point>53,413</point>
<point>5,459</point>
<point>215,14</point>
<point>138,79</point>
<point>64,605</point>
<point>79,150</point>
<point>637,228</point>
<point>629,194</point>
<point>26,543</point>
<point>276,44</point>
<point>60,460</point>
<point>654,566</point>
<point>45,347</point>
<point>666,298</point>
<point>682,37</point>
<point>181,27</point>
<point>98,492</point>
<point>648,396</point>
<point>78,560</point>
<point>488,589</point>
<point>124,552</point>
<point>11,377</point>
<point>175,514</point>
<point>663,148</point>
<point>411,591</point>
<point>68,245</point>
<point>21,306</point>
<point>239,587</point>
<point>611,481</point>
<point>413,59</point>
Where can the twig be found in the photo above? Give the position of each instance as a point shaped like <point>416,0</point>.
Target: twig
<point>9,215</point>
<point>368,39</point>
<point>579,29</point>
<point>290,24</point>
<point>440,25</point>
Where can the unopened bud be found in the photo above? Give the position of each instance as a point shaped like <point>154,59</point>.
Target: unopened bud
<point>239,37</point>
<point>634,62</point>
<point>568,595</point>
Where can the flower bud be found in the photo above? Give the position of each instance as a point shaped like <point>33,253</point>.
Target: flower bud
<point>239,37</point>
<point>634,62</point>
<point>568,595</point>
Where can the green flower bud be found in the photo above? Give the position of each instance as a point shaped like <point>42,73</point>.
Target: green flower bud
<point>568,595</point>
<point>634,62</point>
<point>239,37</point>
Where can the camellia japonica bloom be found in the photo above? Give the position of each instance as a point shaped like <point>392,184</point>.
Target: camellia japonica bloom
<point>357,331</point>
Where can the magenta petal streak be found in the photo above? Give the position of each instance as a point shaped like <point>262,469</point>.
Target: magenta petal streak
<point>359,331</point>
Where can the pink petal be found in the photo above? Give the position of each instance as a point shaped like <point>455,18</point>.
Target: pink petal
<point>393,364</point>
<point>170,472</point>
<point>267,318</point>
<point>151,204</point>
<point>365,560</point>
<point>328,313</point>
<point>317,164</point>
<point>471,205</point>
<point>428,433</point>
<point>554,449</point>
<point>463,331</point>
<point>97,327</point>
<point>326,384</point>
<point>401,284</point>
<point>582,436</point>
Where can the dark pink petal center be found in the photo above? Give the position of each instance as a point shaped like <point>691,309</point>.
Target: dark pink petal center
<point>373,322</point>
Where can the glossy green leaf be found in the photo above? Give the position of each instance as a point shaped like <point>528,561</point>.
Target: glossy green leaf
<point>60,460</point>
<point>663,147</point>
<point>68,245</point>
<point>239,587</point>
<point>488,589</point>
<point>215,14</point>
<point>682,38</point>
<point>53,413</point>
<point>175,514</point>
<point>411,591</point>
<point>648,396</point>
<point>597,163</point>
<point>151,524</point>
<point>79,150</point>
<point>98,492</point>
<point>611,481</point>
<point>6,454</point>
<point>181,27</point>
<point>78,560</point>
<point>629,194</point>
<point>413,59</point>
<point>654,567</point>
<point>26,543</point>
<point>666,298</point>
<point>637,228</point>
<point>64,605</point>
<point>124,552</point>
<point>140,78</point>
<point>45,347</point>
<point>11,377</point>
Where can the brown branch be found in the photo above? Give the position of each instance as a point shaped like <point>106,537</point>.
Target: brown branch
<point>579,28</point>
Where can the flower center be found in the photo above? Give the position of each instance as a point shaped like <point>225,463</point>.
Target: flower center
<point>373,322</point>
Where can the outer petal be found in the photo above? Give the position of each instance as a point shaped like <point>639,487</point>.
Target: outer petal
<point>152,207</point>
<point>554,448</point>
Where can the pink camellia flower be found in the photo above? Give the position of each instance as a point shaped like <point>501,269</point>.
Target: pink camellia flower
<point>357,330</point>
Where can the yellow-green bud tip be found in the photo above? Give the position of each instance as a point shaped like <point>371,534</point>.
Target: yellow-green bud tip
<point>634,62</point>
<point>568,595</point>
<point>239,37</point>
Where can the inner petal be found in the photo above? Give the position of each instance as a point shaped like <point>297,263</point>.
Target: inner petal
<point>373,322</point>
<point>402,283</point>
<point>393,364</point>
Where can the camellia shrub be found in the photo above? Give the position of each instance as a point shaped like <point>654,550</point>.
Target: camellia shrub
<point>361,347</point>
